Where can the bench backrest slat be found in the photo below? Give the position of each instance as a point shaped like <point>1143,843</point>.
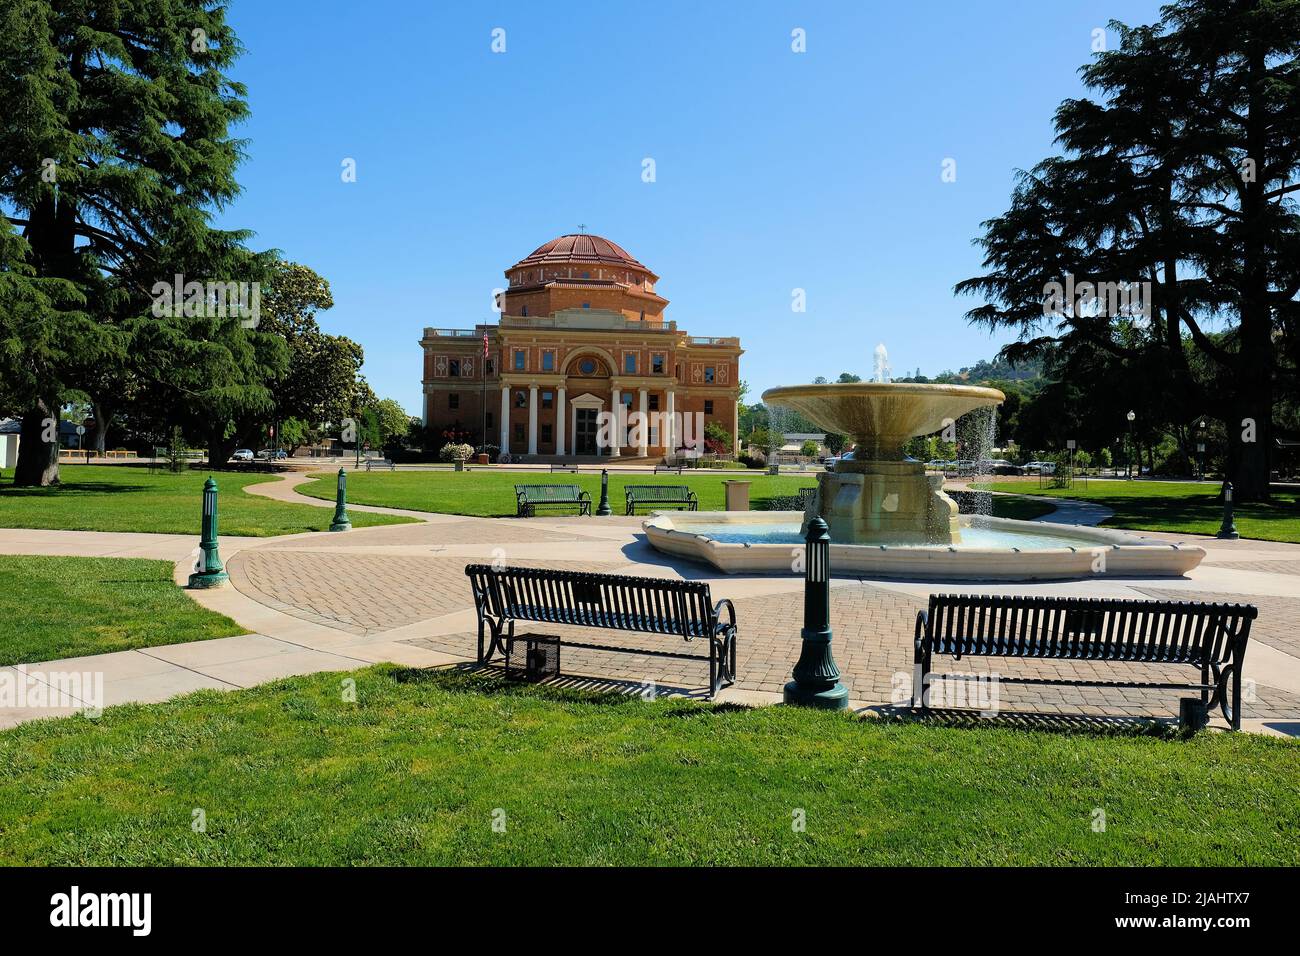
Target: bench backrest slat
<point>1087,628</point>
<point>682,608</point>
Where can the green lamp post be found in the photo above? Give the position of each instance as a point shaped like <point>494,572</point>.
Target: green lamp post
<point>603,509</point>
<point>816,678</point>
<point>211,572</point>
<point>1228,527</point>
<point>341,521</point>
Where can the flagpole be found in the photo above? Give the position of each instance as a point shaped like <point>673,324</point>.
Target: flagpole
<point>482,397</point>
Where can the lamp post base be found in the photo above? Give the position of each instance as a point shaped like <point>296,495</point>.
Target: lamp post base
<point>835,697</point>
<point>208,579</point>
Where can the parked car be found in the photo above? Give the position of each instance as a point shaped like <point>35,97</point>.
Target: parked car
<point>832,462</point>
<point>1040,468</point>
<point>242,454</point>
<point>267,454</point>
<point>998,466</point>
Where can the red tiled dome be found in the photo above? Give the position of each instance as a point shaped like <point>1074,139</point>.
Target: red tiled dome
<point>579,248</point>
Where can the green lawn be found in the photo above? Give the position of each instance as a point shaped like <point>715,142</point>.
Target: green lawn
<point>417,770</point>
<point>123,498</point>
<point>1190,507</point>
<point>1023,509</point>
<point>52,607</point>
<point>492,493</point>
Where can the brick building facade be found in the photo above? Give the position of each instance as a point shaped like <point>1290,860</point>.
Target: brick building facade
<point>582,332</point>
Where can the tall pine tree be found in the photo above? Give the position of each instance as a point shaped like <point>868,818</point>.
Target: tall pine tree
<point>114,152</point>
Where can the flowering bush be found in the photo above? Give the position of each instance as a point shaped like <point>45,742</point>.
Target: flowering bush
<point>455,452</point>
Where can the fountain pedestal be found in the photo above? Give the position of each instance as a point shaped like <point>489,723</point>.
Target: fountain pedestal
<point>890,502</point>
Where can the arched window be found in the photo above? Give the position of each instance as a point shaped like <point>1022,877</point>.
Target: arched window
<point>521,400</point>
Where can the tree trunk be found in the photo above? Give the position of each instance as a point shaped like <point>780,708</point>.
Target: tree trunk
<point>38,459</point>
<point>103,419</point>
<point>220,449</point>
<point>1249,435</point>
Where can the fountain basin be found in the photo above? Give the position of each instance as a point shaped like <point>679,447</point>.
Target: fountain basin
<point>992,549</point>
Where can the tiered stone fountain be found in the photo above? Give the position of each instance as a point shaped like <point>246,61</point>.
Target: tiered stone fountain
<point>881,496</point>
<point>887,518</point>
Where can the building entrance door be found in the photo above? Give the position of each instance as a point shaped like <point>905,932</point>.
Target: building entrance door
<point>584,437</point>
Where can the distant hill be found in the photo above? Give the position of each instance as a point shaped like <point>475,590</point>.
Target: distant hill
<point>983,371</point>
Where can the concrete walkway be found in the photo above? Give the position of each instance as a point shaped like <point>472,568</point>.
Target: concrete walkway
<point>335,602</point>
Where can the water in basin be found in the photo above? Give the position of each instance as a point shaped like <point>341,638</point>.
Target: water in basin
<point>973,537</point>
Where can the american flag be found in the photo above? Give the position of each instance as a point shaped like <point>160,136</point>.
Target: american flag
<point>485,345</point>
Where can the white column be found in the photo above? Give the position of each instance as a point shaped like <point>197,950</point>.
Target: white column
<point>735,427</point>
<point>505,419</point>
<point>670,441</point>
<point>615,408</point>
<point>559,422</point>
<point>532,419</point>
<point>645,423</point>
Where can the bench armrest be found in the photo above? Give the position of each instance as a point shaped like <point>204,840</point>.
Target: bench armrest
<point>730,623</point>
<point>584,496</point>
<point>922,623</point>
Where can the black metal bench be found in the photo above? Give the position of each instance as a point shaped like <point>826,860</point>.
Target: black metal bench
<point>528,498</point>
<point>571,468</point>
<point>669,469</point>
<point>1210,637</point>
<point>659,495</point>
<point>372,463</point>
<point>685,609</point>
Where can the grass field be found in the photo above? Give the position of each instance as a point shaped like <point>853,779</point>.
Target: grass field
<point>1175,506</point>
<point>123,498</point>
<point>492,494</point>
<point>489,493</point>
<point>417,770</point>
<point>52,607</point>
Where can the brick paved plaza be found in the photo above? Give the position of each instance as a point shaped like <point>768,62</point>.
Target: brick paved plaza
<point>405,585</point>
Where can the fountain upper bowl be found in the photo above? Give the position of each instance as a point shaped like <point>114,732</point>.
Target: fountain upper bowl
<point>883,414</point>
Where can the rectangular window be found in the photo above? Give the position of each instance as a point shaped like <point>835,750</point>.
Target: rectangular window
<point>708,374</point>
<point>489,419</point>
<point>656,364</point>
<point>519,431</point>
<point>626,399</point>
<point>654,403</point>
<point>548,399</point>
<point>519,360</point>
<point>546,434</point>
<point>548,361</point>
<point>453,368</point>
<point>708,406</point>
<point>629,363</point>
<point>453,400</point>
<point>490,366</point>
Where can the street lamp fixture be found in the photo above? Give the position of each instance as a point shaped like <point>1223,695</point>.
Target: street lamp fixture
<point>1132,442</point>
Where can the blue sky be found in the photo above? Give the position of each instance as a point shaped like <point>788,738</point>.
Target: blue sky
<point>774,170</point>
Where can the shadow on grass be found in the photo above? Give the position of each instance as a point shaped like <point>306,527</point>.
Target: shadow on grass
<point>1067,724</point>
<point>69,488</point>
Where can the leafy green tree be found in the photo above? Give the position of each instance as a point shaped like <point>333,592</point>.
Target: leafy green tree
<point>114,151</point>
<point>393,422</point>
<point>1180,176</point>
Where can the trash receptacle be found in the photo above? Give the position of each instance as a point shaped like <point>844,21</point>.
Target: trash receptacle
<point>482,459</point>
<point>737,495</point>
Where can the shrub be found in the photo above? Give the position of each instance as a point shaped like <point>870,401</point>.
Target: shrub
<point>454,452</point>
